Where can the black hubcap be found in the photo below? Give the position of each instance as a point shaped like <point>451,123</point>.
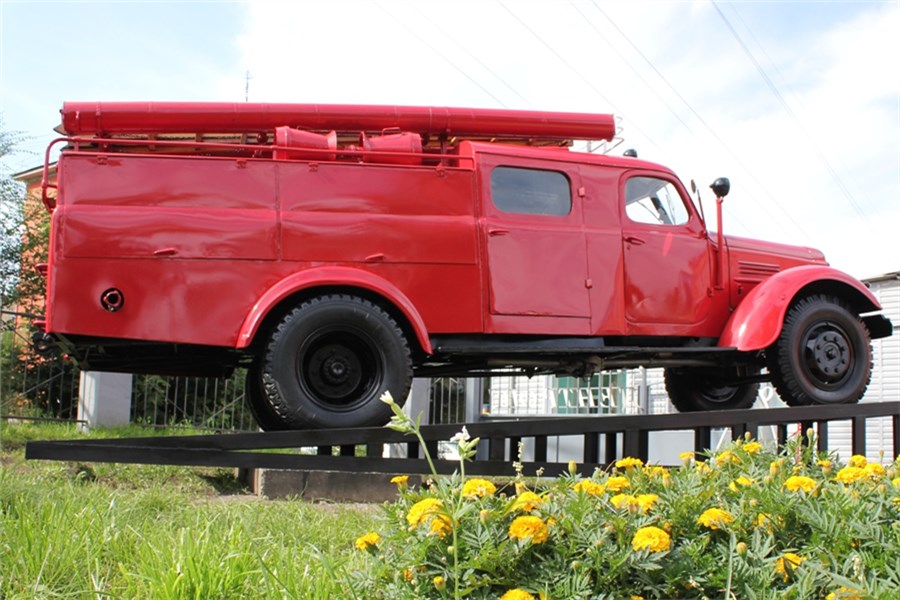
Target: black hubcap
<point>828,354</point>
<point>338,369</point>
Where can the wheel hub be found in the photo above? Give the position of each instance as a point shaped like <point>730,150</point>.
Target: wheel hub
<point>828,354</point>
<point>334,371</point>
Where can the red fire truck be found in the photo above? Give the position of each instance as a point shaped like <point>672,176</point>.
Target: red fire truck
<point>338,250</point>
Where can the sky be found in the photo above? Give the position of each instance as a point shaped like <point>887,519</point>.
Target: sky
<point>798,103</point>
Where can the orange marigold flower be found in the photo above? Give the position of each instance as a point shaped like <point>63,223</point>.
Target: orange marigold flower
<point>617,484</point>
<point>529,527</point>
<point>800,482</point>
<point>715,518</point>
<point>370,540</point>
<point>592,488</point>
<point>651,538</point>
<point>787,564</point>
<point>478,488</point>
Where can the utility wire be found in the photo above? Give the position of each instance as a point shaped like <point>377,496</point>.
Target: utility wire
<point>708,128</point>
<point>470,54</point>
<point>439,53</point>
<point>578,74</point>
<point>771,85</point>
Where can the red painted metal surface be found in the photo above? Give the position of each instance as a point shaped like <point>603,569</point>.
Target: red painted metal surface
<point>210,244</point>
<point>80,118</point>
<point>757,321</point>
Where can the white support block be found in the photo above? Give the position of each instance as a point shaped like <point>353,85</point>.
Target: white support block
<point>104,399</point>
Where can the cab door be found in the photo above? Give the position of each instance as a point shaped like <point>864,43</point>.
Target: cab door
<point>534,244</point>
<point>666,254</point>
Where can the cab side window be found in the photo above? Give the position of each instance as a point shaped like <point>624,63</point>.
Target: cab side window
<point>531,191</point>
<point>654,201</point>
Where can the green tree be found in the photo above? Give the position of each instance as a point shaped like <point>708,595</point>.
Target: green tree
<point>12,216</point>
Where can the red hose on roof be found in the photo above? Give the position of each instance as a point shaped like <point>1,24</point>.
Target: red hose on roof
<point>86,118</point>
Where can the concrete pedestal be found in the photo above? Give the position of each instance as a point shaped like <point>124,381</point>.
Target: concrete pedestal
<point>104,399</point>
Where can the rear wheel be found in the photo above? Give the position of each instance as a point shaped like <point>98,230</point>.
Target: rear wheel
<point>693,389</point>
<point>329,361</point>
<point>266,418</point>
<point>823,355</point>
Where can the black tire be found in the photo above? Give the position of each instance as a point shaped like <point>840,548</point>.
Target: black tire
<point>823,355</point>
<point>692,390</point>
<point>329,361</point>
<point>266,418</point>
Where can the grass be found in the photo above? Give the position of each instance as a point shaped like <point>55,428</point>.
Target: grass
<point>130,531</point>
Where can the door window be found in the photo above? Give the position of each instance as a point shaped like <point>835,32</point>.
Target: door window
<point>654,201</point>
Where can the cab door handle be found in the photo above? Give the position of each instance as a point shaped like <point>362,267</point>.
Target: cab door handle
<point>634,240</point>
<point>498,232</point>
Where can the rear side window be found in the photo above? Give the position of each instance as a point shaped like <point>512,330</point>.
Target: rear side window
<point>531,191</point>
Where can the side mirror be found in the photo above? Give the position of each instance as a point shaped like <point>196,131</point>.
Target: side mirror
<point>721,187</point>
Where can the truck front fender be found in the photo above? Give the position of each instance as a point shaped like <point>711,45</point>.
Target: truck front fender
<point>757,321</point>
<point>344,277</point>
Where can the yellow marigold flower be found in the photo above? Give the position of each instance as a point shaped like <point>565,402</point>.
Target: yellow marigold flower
<point>529,527</point>
<point>850,475</point>
<point>408,574</point>
<point>896,481</point>
<point>766,521</point>
<point>800,482</point>
<point>740,482</point>
<point>527,502</point>
<point>875,470</point>
<point>657,471</point>
<point>686,457</point>
<point>439,582</point>
<point>727,456</point>
<point>845,593</point>
<point>401,481</point>
<point>702,467</point>
<point>646,501</point>
<point>629,463</point>
<point>478,488</point>
<point>623,500</point>
<point>439,526</point>
<point>651,538</point>
<point>370,540</point>
<point>787,564</point>
<point>715,518</point>
<point>752,447</point>
<point>634,597</point>
<point>592,488</point>
<point>517,594</point>
<point>424,511</point>
<point>617,484</point>
<point>858,460</point>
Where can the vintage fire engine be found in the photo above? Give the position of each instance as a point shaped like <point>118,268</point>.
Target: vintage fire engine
<point>337,250</point>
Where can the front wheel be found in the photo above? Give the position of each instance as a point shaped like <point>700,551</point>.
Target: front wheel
<point>693,389</point>
<point>823,355</point>
<point>329,361</point>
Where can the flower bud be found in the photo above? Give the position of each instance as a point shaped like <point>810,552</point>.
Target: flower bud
<point>439,583</point>
<point>741,548</point>
<point>573,467</point>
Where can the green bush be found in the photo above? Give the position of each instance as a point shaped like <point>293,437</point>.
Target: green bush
<point>745,523</point>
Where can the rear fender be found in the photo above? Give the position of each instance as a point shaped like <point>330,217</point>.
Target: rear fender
<point>331,277</point>
<point>757,321</point>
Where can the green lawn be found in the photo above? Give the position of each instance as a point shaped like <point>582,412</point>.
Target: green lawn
<point>71,530</point>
